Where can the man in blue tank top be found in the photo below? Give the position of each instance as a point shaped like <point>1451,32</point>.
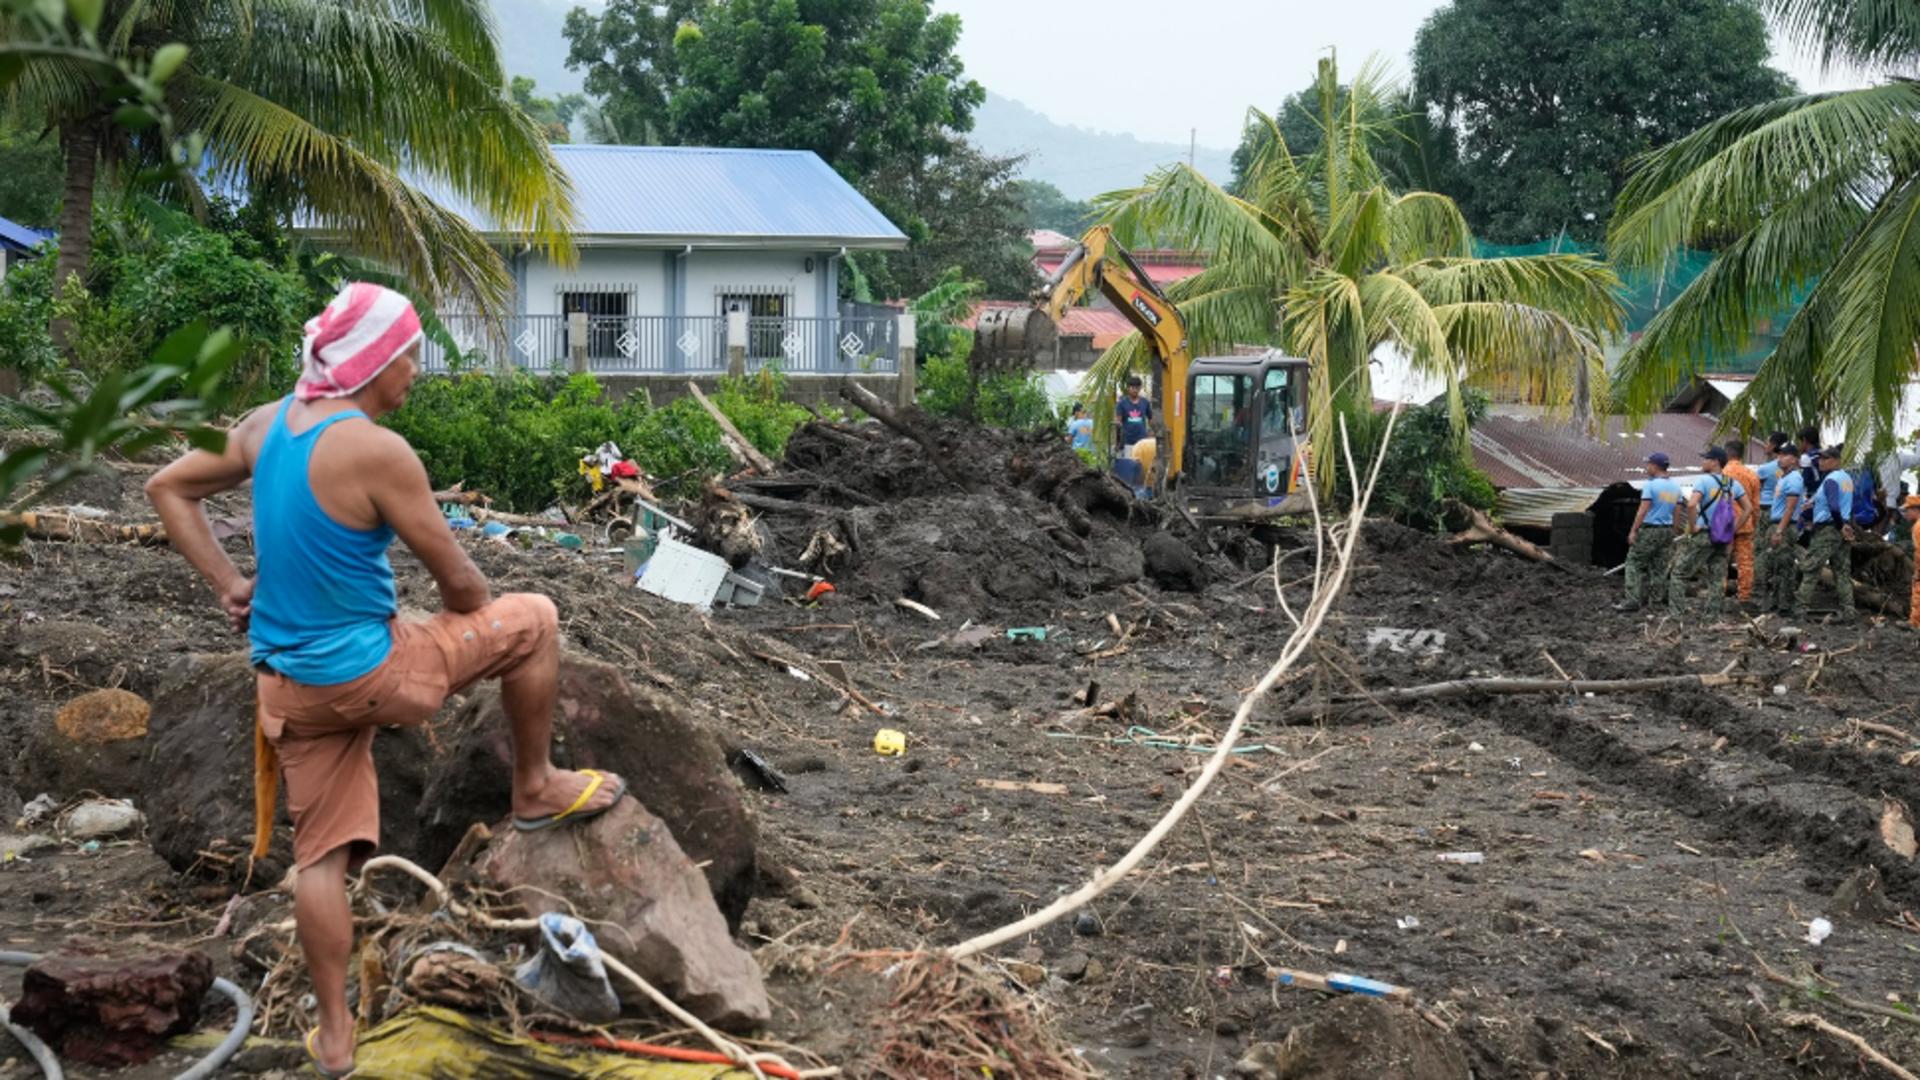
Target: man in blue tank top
<point>331,492</point>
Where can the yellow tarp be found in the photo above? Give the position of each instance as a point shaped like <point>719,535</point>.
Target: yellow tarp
<point>442,1044</point>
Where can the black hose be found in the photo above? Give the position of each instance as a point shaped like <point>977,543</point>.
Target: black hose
<point>205,1067</point>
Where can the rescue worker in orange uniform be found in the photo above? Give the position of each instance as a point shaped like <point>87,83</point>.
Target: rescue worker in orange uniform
<point>1911,510</point>
<point>1749,481</point>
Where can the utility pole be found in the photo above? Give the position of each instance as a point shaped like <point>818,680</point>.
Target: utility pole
<point>1193,139</point>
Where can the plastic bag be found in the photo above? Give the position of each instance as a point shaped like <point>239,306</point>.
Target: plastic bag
<point>567,973</point>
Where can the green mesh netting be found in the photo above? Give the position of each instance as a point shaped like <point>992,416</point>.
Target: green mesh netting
<point>1644,294</point>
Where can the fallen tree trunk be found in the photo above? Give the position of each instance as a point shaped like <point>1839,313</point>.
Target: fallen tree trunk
<point>866,401</point>
<point>461,497</point>
<point>1868,595</point>
<point>1481,530</point>
<point>1460,688</point>
<point>769,504</point>
<point>737,444</point>
<point>72,527</point>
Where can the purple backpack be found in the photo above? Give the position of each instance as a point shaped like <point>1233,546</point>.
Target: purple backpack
<point>1721,515</point>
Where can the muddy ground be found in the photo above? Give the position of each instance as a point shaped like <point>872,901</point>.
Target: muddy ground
<point>1648,858</point>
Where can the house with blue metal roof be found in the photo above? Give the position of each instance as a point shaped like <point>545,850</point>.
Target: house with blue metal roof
<point>19,242</point>
<point>671,239</point>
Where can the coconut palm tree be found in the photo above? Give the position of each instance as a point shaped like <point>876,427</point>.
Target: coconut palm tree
<point>1320,258</point>
<point>365,119</point>
<point>1815,196</point>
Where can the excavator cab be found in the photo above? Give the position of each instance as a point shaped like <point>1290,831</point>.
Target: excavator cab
<point>1246,427</point>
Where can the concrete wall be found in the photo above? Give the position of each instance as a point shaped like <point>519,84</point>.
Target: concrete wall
<point>642,270</point>
<point>805,389</point>
<point>710,274</point>
<point>648,273</point>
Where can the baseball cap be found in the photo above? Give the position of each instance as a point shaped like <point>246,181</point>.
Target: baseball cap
<point>1714,453</point>
<point>1830,453</point>
<point>1660,458</point>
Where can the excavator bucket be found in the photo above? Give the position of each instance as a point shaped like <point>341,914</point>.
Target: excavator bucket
<point>1012,339</point>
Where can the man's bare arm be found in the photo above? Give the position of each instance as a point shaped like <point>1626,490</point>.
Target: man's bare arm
<point>178,492</point>
<point>404,499</point>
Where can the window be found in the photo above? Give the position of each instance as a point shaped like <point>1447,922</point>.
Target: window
<point>1282,393</point>
<point>1218,449</point>
<point>763,334</point>
<point>606,313</point>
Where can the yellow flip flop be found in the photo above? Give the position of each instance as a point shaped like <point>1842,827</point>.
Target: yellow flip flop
<point>313,1055</point>
<point>574,813</point>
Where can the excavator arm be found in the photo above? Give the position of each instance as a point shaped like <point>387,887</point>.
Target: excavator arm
<point>1099,262</point>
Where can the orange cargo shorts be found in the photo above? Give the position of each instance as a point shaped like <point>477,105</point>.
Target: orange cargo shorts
<point>324,734</point>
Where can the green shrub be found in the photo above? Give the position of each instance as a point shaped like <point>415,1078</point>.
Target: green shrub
<point>1426,465</point>
<point>1007,401</point>
<point>519,437</point>
<point>145,281</point>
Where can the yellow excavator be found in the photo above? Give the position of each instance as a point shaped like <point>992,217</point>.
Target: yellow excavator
<point>1235,424</point>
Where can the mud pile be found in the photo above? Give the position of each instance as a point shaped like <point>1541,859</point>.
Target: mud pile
<point>994,521</point>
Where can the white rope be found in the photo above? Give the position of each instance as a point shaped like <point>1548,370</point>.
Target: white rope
<point>1326,591</point>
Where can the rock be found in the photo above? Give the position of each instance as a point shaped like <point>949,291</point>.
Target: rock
<point>1115,563</point>
<point>625,876</point>
<point>1172,564</point>
<point>672,763</point>
<point>1862,896</point>
<point>27,846</point>
<point>1086,924</point>
<point>1026,974</point>
<point>104,716</point>
<point>101,818</point>
<point>1074,966</point>
<point>1358,1037</point>
<point>197,782</point>
<point>113,1011</point>
<point>96,742</point>
<point>89,653</point>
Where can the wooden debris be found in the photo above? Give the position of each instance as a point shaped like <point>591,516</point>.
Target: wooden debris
<point>866,401</point>
<point>917,608</point>
<point>1482,530</point>
<point>1800,1020</point>
<point>74,527</point>
<point>736,443</point>
<point>1038,787</point>
<point>1459,688</point>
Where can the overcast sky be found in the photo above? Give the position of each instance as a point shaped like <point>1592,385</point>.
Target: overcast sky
<point>1160,68</point>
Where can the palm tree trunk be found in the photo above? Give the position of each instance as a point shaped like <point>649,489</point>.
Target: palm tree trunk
<point>81,142</point>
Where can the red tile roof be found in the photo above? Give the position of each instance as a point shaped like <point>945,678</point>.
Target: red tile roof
<point>1534,452</point>
<point>1160,273</point>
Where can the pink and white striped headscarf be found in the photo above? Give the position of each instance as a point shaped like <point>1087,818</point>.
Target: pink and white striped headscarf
<point>366,328</point>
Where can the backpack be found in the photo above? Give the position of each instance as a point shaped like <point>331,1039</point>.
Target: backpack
<point>1721,517</point>
<point>1866,510</point>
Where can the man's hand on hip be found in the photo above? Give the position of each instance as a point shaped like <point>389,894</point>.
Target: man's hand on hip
<point>237,601</point>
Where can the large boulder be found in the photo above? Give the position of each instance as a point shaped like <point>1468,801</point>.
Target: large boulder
<point>671,763</point>
<point>95,742</point>
<point>623,873</point>
<point>198,785</point>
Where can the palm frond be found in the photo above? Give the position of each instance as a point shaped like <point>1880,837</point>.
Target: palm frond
<point>1869,315</point>
<point>1178,202</point>
<point>1579,288</point>
<point>1874,33</point>
<point>1757,276</point>
<point>1726,177</point>
<point>1425,225</point>
<point>1528,353</point>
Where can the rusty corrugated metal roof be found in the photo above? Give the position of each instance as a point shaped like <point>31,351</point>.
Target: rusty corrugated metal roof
<point>1536,452</point>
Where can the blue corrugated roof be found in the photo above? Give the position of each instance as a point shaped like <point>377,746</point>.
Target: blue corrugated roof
<point>17,237</point>
<point>693,194</point>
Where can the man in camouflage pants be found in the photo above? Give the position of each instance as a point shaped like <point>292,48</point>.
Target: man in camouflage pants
<point>1778,539</point>
<point>1651,537</point>
<point>1830,542</point>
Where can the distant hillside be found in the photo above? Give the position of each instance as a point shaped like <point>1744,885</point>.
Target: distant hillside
<point>1079,162</point>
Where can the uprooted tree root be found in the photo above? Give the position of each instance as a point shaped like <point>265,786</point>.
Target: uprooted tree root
<point>953,1018</point>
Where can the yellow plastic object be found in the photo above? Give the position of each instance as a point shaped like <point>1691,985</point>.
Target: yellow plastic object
<point>447,1045</point>
<point>889,743</point>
